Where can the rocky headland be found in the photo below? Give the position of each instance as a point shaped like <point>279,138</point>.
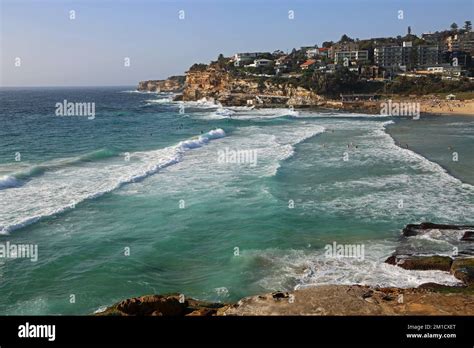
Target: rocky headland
<point>427,299</point>
<point>212,82</point>
<point>219,85</point>
<point>173,84</point>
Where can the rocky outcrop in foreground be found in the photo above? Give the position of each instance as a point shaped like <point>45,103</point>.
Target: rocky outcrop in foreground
<point>319,300</point>
<point>427,299</point>
<point>174,305</point>
<point>460,262</point>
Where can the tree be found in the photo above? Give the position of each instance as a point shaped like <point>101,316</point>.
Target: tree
<point>221,61</point>
<point>409,30</point>
<point>345,38</point>
<point>198,67</point>
<point>454,27</point>
<point>467,26</point>
<point>327,44</point>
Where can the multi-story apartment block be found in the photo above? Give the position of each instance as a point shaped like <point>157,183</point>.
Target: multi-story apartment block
<point>342,46</point>
<point>407,55</point>
<point>351,57</point>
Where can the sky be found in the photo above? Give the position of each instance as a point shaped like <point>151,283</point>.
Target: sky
<point>92,48</point>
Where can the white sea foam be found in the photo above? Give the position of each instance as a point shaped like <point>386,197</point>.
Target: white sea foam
<point>383,175</point>
<point>272,145</point>
<point>246,113</point>
<point>203,103</point>
<point>337,114</point>
<point>159,101</point>
<point>296,269</point>
<point>139,92</point>
<point>224,112</point>
<point>59,190</point>
<point>8,181</point>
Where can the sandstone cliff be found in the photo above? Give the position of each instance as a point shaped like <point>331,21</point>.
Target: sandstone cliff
<point>228,89</point>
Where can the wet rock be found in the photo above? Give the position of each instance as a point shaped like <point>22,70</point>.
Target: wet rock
<point>153,305</point>
<point>416,229</point>
<point>436,286</point>
<point>162,305</point>
<point>463,269</point>
<point>367,294</point>
<point>468,236</point>
<point>280,295</point>
<point>421,263</point>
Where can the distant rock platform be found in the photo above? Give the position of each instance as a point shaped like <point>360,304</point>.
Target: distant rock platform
<point>173,84</point>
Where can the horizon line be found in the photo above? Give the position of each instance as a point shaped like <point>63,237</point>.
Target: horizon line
<point>67,86</point>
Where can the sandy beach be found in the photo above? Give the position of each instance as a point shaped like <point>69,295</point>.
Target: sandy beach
<point>448,107</point>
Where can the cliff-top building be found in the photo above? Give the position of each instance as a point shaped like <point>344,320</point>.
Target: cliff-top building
<point>407,56</point>
<point>241,59</point>
<point>351,57</point>
<point>461,42</point>
<point>342,46</point>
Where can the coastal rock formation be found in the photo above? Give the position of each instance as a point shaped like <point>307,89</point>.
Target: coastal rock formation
<point>463,269</point>
<point>220,85</point>
<point>460,264</point>
<point>421,263</point>
<point>468,236</point>
<point>319,300</point>
<point>427,299</point>
<point>417,229</point>
<point>162,305</point>
<point>174,84</point>
<point>356,300</point>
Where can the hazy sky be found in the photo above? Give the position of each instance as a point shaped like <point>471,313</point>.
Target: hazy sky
<point>90,50</point>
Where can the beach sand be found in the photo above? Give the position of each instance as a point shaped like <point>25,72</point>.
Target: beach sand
<point>448,107</point>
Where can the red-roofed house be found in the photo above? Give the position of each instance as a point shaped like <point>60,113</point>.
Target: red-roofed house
<point>308,64</point>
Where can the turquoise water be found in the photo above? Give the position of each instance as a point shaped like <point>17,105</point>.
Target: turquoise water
<point>182,213</point>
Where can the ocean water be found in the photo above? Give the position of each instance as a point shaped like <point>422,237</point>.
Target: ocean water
<point>136,200</point>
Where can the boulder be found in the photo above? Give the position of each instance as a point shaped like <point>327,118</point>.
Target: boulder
<point>153,305</point>
<point>421,263</point>
<point>463,269</point>
<point>163,305</point>
<point>468,236</point>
